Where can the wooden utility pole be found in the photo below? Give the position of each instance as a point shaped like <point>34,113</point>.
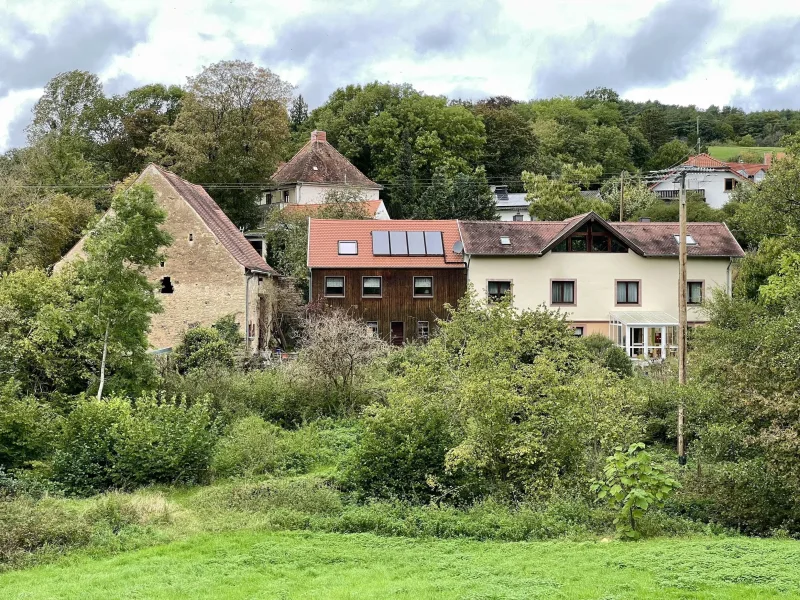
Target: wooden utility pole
<point>622,197</point>
<point>682,324</point>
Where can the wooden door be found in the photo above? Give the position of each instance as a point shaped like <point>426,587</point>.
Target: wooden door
<point>398,333</point>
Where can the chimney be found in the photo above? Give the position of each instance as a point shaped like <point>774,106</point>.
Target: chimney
<point>767,159</point>
<point>318,136</point>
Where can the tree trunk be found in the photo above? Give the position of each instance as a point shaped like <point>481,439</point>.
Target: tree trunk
<point>103,363</point>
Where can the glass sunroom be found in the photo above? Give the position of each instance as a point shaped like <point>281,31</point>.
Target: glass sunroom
<point>644,334</point>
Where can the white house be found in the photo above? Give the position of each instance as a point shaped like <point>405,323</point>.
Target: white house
<point>618,279</point>
<point>715,181</point>
<point>510,207</point>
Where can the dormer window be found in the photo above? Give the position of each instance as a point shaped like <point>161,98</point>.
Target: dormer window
<point>348,247</point>
<point>689,240</point>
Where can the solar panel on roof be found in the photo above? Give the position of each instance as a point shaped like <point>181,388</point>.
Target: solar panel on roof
<point>380,242</point>
<point>433,242</point>
<point>416,243</point>
<point>398,243</point>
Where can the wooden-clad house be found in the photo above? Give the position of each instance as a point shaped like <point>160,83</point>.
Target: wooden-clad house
<point>395,275</point>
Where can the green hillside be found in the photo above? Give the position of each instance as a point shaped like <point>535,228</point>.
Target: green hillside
<point>727,153</point>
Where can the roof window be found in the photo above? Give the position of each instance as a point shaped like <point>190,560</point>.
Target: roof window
<point>348,247</point>
<point>689,239</point>
<point>505,240</point>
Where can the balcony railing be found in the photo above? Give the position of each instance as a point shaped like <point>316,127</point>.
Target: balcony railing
<point>675,194</point>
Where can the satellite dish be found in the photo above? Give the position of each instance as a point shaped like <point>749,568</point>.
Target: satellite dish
<point>458,247</point>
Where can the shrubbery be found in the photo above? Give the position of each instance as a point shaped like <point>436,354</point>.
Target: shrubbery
<point>116,443</point>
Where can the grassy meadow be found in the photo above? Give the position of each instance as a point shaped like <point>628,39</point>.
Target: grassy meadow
<point>258,564</point>
<point>728,153</point>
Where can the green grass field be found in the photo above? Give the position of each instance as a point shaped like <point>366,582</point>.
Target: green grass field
<point>251,564</point>
<point>727,153</point>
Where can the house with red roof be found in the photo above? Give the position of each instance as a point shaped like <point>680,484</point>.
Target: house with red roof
<point>618,279</point>
<point>316,169</point>
<point>210,270</point>
<point>714,181</point>
<point>394,275</point>
<point>755,171</point>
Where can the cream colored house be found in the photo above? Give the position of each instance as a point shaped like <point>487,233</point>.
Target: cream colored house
<point>619,279</point>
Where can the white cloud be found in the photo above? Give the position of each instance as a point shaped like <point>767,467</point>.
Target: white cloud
<point>13,106</point>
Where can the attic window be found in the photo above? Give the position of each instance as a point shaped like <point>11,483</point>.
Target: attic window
<point>348,247</point>
<point>505,240</point>
<point>315,168</point>
<point>166,285</point>
<point>689,240</point>
<point>162,263</point>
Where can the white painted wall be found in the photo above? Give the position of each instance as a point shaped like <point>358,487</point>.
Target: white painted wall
<point>507,214</point>
<point>713,182</point>
<point>596,274</point>
<point>308,193</point>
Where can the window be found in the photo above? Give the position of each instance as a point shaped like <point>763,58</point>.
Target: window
<point>730,184</point>
<point>562,292</point>
<point>628,292</point>
<point>518,218</point>
<point>286,196</point>
<point>334,286</point>
<point>423,287</point>
<point>371,287</point>
<point>505,240</point>
<point>269,198</point>
<point>577,331</point>
<point>348,247</point>
<point>162,263</point>
<point>592,237</point>
<point>372,327</point>
<point>191,237</point>
<point>689,239</point>
<point>497,289</point>
<point>166,285</point>
<point>694,292</point>
<point>423,330</point>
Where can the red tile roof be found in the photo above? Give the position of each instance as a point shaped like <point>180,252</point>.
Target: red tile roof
<point>217,221</point>
<point>371,206</point>
<point>319,162</point>
<point>324,235</point>
<point>705,160</point>
<point>750,168</point>
<point>534,238</point>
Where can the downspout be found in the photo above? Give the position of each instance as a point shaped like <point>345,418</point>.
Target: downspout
<point>730,285</point>
<point>247,313</point>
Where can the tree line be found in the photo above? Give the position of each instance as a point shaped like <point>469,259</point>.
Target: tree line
<point>230,126</point>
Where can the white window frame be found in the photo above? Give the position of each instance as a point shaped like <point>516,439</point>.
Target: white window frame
<point>414,284</point>
<point>427,329</point>
<point>371,295</point>
<point>344,286</point>
<point>373,327</point>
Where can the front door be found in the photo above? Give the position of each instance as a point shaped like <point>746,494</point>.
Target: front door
<point>398,333</point>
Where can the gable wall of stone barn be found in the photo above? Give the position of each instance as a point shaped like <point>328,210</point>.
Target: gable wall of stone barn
<point>208,283</point>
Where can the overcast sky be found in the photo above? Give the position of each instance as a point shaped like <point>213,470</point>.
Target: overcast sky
<point>677,51</point>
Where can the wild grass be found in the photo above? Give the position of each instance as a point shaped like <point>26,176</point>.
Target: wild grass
<point>728,153</point>
<point>254,564</point>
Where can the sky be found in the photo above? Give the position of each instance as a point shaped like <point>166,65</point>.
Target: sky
<point>699,52</point>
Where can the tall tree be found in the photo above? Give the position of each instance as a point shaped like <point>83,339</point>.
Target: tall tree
<point>116,297</point>
<point>464,196</point>
<point>559,198</point>
<point>64,105</point>
<point>654,126</point>
<point>299,113</point>
<point>231,129</point>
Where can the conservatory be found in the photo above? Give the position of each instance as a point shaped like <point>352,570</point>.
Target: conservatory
<point>645,335</point>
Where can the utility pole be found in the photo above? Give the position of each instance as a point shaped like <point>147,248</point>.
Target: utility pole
<point>682,325</point>
<point>622,196</point>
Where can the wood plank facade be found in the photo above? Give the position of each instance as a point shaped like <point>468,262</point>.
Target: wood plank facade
<point>397,303</point>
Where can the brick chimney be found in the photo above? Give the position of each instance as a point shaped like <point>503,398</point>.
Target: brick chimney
<point>767,159</point>
<point>318,136</point>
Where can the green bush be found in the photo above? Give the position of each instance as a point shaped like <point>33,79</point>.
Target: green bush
<point>109,443</point>
<point>229,330</point>
<point>165,441</point>
<point>615,359</point>
<point>304,494</point>
<point>86,448</point>
<point>203,348</point>
<point>26,428</point>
